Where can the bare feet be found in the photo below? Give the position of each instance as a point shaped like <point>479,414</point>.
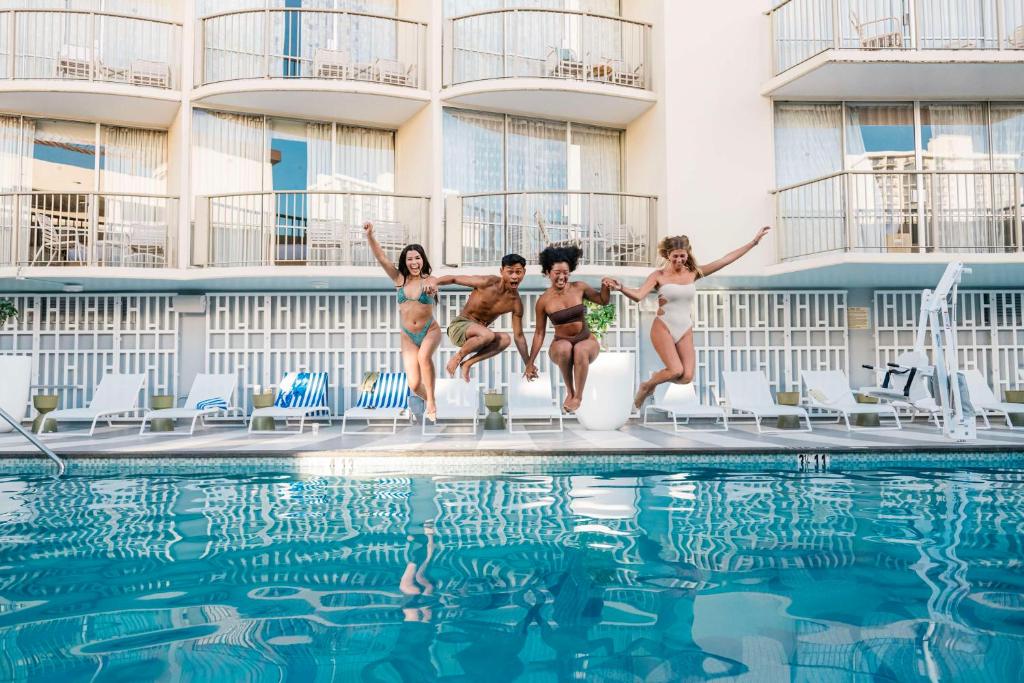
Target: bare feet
<point>453,365</point>
<point>565,403</point>
<point>572,404</point>
<point>466,367</point>
<point>641,395</point>
<point>430,412</point>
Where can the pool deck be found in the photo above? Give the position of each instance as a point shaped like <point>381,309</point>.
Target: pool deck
<point>742,438</point>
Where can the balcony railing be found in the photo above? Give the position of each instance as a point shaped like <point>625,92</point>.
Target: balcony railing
<point>304,228</point>
<point>539,43</point>
<point>88,229</point>
<point>311,43</point>
<point>89,46</point>
<point>802,29</point>
<point>612,228</point>
<point>901,212</point>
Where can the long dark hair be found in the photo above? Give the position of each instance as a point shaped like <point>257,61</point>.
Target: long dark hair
<point>404,269</point>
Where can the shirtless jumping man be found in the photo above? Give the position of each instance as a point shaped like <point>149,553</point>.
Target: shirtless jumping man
<point>492,297</point>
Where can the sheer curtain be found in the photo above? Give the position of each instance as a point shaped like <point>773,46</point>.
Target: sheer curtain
<point>537,159</point>
<point>474,153</point>
<point>1008,137</point>
<point>595,165</point>
<point>16,141</point>
<point>134,161</point>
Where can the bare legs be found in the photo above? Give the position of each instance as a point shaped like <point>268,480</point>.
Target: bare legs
<point>679,359</point>
<point>481,344</point>
<point>574,364</point>
<point>419,368</point>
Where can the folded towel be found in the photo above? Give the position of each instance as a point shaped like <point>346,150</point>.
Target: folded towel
<point>369,381</point>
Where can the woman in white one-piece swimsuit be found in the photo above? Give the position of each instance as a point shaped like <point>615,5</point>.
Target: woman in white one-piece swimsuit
<point>672,330</point>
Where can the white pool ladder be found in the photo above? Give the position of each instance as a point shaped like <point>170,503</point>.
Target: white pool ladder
<point>43,448</point>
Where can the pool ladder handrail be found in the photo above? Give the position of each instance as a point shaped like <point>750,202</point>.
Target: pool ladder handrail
<point>43,448</point>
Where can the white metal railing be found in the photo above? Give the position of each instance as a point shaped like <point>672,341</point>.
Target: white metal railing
<point>901,212</point>
<point>304,228</point>
<point>88,229</point>
<point>612,228</point>
<point>802,29</point>
<point>543,43</point>
<point>89,46</point>
<point>311,43</point>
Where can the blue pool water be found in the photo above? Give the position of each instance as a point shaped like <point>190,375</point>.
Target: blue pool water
<point>554,572</point>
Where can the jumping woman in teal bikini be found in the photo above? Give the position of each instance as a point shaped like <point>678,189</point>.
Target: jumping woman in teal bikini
<point>421,334</point>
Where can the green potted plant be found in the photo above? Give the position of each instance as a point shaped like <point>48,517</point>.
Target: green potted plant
<point>599,319</point>
<point>8,311</point>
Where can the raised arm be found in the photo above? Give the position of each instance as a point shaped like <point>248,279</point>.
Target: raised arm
<point>517,333</point>
<point>641,293</point>
<point>735,254</point>
<point>598,297</point>
<point>471,281</point>
<point>539,332</point>
<point>379,254</point>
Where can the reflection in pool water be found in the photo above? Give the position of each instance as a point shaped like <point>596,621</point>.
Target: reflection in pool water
<point>627,575</point>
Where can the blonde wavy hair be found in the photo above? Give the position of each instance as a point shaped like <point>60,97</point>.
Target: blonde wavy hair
<point>669,244</point>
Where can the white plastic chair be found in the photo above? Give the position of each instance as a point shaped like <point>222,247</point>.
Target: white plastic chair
<point>680,402</point>
<point>457,401</point>
<point>985,401</point>
<point>392,72</point>
<point>332,64</point>
<point>749,392</point>
<point>829,391</point>
<point>150,73</point>
<point>210,394</point>
<point>116,396</point>
<point>14,392</point>
<point>532,402</point>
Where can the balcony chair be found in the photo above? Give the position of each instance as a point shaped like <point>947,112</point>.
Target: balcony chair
<point>878,34</point>
<point>392,72</point>
<point>562,62</point>
<point>328,243</point>
<point>150,73</point>
<point>1016,39</point>
<point>147,245</point>
<point>55,242</point>
<point>618,72</point>
<point>332,64</point>
<point>391,235</point>
<point>75,61</point>
<point>619,246</point>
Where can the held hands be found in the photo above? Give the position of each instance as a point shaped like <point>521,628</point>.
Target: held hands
<point>611,284</point>
<point>761,233</point>
<point>531,372</point>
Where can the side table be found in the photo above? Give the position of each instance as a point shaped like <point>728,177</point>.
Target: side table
<point>866,419</point>
<point>788,398</point>
<point>494,401</point>
<point>161,402</point>
<point>264,400</point>
<point>1016,396</point>
<point>44,403</point>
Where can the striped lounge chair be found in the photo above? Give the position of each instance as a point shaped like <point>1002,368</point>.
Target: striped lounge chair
<point>300,395</point>
<point>386,401</point>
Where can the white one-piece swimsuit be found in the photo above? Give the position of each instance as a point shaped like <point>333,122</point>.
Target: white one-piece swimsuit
<point>676,313</point>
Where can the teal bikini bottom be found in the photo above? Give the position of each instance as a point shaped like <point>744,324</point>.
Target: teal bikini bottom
<point>418,337</point>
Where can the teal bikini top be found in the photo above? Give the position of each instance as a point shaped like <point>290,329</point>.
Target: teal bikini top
<point>423,298</point>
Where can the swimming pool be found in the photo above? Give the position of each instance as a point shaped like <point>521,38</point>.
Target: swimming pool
<point>537,570</point>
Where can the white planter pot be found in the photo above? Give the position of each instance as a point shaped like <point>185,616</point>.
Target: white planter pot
<point>17,378</point>
<point>608,396</point>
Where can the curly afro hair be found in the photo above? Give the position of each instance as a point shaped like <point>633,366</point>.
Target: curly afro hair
<point>552,255</point>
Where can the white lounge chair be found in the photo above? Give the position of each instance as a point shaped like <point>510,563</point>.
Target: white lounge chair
<point>457,401</point>
<point>300,395</point>
<point>116,396</point>
<point>985,401</point>
<point>17,384</point>
<point>387,401</point>
<point>749,392</point>
<point>680,402</point>
<point>209,395</point>
<point>531,402</point>
<point>829,391</point>
<point>908,390</point>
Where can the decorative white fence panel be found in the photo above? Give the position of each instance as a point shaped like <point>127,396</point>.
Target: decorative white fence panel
<point>262,336</point>
<point>990,331</point>
<point>780,333</point>
<point>76,339</point>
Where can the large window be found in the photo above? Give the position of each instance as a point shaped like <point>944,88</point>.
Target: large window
<point>454,8</point>
<point>813,140</point>
<point>250,153</point>
<point>492,153</point>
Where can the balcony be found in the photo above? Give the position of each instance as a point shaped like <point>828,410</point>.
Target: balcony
<point>903,212</point>
<point>304,228</point>
<point>612,228</point>
<point>513,60</point>
<point>321,64</point>
<point>896,49</point>
<point>93,65</point>
<point>98,229</point>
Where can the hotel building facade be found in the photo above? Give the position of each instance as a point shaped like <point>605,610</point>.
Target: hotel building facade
<point>183,183</point>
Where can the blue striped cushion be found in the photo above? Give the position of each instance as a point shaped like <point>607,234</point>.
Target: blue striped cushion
<point>302,390</point>
<point>390,391</point>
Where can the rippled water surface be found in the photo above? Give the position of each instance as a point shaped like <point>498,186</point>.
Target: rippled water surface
<point>563,573</point>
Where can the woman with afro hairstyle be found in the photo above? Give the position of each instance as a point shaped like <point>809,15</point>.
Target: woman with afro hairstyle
<point>574,348</point>
<point>672,330</point>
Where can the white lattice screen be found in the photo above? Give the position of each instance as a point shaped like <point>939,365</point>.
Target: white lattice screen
<point>76,339</point>
<point>990,333</point>
<point>262,336</point>
<point>781,333</point>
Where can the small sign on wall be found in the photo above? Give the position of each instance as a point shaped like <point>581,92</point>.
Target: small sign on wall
<point>858,318</point>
